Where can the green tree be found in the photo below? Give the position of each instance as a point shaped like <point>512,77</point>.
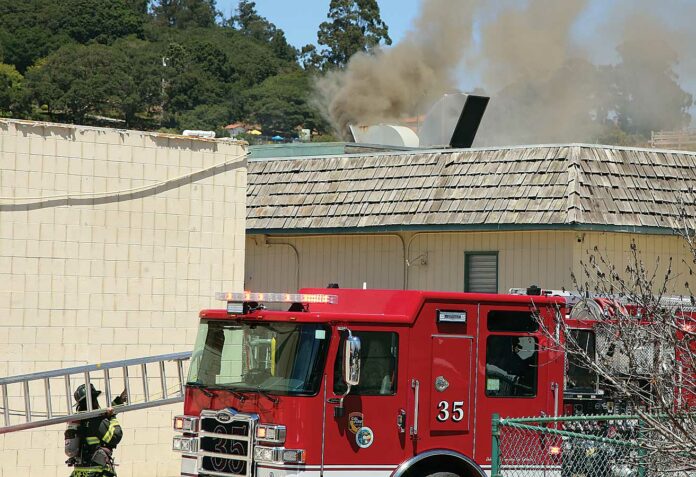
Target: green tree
<point>14,99</point>
<point>353,26</point>
<point>208,55</point>
<point>281,103</point>
<point>139,6</point>
<point>310,58</point>
<point>187,84</point>
<point>75,81</point>
<point>250,61</point>
<point>30,30</point>
<point>251,24</point>
<point>207,117</point>
<point>24,37</point>
<point>152,63</point>
<point>184,14</point>
<point>99,20</point>
<point>138,79</point>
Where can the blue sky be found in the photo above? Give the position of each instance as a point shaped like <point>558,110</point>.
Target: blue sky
<point>300,19</point>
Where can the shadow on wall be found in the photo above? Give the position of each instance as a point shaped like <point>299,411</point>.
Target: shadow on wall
<point>130,194</point>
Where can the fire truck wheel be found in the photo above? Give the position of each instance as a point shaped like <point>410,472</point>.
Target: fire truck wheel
<point>442,474</point>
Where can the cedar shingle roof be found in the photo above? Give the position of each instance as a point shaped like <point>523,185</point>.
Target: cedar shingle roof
<point>485,188</point>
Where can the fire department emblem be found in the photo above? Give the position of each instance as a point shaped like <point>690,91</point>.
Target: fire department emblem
<point>355,422</point>
<point>364,437</point>
<point>441,383</point>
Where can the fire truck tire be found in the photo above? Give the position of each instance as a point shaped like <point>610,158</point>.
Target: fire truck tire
<point>442,474</point>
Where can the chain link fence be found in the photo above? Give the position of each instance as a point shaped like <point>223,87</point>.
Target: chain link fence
<point>580,446</point>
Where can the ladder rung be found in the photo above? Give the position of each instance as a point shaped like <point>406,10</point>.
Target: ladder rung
<point>5,405</point>
<point>49,407</point>
<point>88,390</point>
<point>107,387</point>
<point>68,394</point>
<point>146,390</point>
<point>27,402</point>
<point>180,370</point>
<point>126,382</point>
<point>163,379</point>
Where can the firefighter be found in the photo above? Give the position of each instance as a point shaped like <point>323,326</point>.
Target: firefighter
<point>518,366</point>
<point>89,443</point>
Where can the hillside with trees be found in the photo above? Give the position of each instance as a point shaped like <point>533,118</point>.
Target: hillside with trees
<point>166,64</point>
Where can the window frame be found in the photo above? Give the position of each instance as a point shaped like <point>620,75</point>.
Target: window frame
<point>535,366</point>
<point>467,269</point>
<point>355,390</point>
<point>568,357</point>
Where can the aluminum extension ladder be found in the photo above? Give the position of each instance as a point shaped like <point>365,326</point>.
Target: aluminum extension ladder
<point>28,402</point>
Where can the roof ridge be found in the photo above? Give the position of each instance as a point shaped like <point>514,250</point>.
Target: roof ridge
<point>572,194</point>
<point>416,151</point>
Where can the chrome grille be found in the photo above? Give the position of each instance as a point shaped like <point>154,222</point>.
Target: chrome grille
<point>225,447</point>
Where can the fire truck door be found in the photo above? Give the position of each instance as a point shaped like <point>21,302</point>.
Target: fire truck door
<point>370,437</point>
<point>516,369</point>
<point>450,384</point>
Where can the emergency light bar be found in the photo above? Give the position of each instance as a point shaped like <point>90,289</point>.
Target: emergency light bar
<point>277,297</point>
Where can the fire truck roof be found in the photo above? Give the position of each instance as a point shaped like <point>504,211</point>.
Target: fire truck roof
<point>384,306</point>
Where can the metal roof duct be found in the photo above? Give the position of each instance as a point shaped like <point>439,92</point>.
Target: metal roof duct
<point>384,134</point>
<point>453,121</point>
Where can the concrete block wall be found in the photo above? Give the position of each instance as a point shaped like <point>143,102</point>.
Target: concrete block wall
<point>110,242</point>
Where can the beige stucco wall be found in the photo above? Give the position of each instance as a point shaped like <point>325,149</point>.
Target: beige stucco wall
<point>436,259</point>
<point>110,241</point>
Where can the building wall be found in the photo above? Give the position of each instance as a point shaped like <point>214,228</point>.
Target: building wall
<point>436,260</point>
<point>524,258</point>
<point>288,263</point>
<point>659,254</point>
<point>110,241</point>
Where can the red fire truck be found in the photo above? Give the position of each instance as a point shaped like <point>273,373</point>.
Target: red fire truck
<point>371,382</point>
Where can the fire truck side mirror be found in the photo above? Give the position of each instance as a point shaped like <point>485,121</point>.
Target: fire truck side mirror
<point>351,361</point>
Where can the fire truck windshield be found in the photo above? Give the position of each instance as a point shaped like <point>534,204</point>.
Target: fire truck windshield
<point>275,358</point>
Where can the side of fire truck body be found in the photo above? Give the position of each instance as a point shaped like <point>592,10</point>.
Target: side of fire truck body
<point>437,415</point>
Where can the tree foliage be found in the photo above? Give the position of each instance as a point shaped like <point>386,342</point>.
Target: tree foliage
<point>170,64</point>
<point>95,20</point>
<point>30,30</point>
<point>14,98</point>
<point>353,26</point>
<point>77,80</point>
<point>253,25</point>
<point>139,79</point>
<point>184,14</point>
<point>281,104</point>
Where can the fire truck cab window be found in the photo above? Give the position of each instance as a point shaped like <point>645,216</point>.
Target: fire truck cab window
<point>378,360</point>
<point>514,321</point>
<point>511,366</point>
<point>579,378</point>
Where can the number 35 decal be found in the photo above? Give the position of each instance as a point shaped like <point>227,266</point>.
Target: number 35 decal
<point>457,413</point>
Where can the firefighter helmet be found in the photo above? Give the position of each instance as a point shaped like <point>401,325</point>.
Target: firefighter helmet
<point>81,392</point>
